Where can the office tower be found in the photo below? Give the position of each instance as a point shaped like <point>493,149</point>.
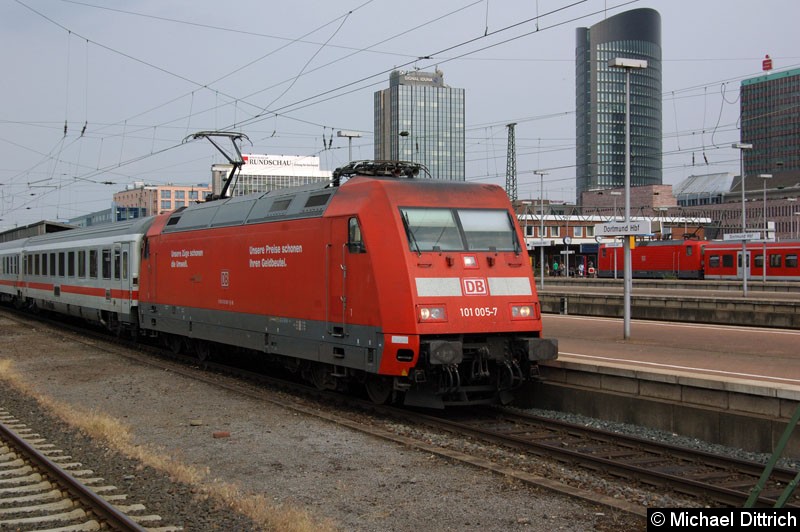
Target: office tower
<point>771,123</point>
<point>600,102</point>
<point>420,119</point>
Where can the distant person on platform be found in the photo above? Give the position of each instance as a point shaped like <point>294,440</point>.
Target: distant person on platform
<point>580,270</point>
<point>555,268</point>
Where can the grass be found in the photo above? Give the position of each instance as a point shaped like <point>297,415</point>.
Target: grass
<point>100,426</point>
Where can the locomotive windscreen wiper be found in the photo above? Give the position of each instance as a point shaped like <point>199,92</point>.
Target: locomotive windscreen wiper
<point>409,233</point>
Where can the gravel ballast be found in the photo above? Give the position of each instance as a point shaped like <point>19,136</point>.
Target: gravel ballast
<point>340,476</point>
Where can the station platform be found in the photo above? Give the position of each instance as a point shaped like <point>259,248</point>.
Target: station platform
<point>736,386</point>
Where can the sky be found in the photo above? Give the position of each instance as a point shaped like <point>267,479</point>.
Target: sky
<point>99,94</point>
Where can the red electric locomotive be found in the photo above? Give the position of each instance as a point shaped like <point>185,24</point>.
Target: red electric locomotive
<point>419,289</point>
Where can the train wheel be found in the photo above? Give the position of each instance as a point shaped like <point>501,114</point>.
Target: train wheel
<point>202,350</point>
<point>175,343</point>
<point>320,377</point>
<point>379,389</point>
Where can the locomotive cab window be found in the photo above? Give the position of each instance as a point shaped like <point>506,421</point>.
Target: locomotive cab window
<point>432,230</point>
<point>488,230</point>
<point>355,242</point>
<point>459,230</point>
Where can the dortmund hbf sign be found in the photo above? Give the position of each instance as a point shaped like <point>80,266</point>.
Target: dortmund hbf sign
<point>639,227</point>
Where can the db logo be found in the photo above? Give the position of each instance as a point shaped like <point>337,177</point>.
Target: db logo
<point>225,279</point>
<point>475,287</point>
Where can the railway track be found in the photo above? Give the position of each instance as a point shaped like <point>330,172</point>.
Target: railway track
<point>715,478</point>
<point>42,489</point>
<point>705,477</point>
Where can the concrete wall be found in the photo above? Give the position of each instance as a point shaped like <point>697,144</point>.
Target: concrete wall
<point>736,413</point>
<point>784,314</point>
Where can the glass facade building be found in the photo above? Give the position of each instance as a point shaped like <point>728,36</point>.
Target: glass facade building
<point>420,119</point>
<point>771,122</point>
<point>600,102</point>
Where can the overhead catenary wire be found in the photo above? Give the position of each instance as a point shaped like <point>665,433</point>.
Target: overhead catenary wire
<point>129,129</point>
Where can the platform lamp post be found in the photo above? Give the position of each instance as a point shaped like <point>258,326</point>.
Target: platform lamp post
<point>614,195</point>
<point>541,175</point>
<point>741,146</point>
<point>350,136</point>
<point>627,64</point>
<point>765,177</point>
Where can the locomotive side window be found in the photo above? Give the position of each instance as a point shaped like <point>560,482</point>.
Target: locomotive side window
<point>791,261</point>
<point>689,251</point>
<point>355,242</point>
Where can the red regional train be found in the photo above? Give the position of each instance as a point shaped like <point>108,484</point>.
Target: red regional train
<point>418,289</point>
<point>697,259</point>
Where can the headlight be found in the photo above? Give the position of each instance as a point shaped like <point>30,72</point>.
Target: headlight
<point>522,312</point>
<point>430,313</point>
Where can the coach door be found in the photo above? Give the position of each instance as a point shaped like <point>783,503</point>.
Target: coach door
<point>120,275</point>
<point>742,268</point>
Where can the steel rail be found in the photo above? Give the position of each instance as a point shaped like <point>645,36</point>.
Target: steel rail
<point>104,511</point>
<point>568,451</point>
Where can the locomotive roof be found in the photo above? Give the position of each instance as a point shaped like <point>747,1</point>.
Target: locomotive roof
<point>282,204</point>
<point>308,201</point>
